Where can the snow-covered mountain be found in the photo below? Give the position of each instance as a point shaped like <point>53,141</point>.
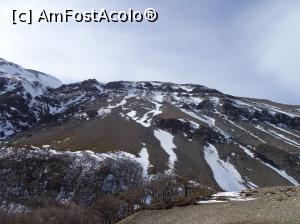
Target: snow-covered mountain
<point>18,89</point>
<point>225,142</point>
<point>35,83</point>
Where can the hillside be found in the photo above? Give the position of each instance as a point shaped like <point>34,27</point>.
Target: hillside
<point>67,141</point>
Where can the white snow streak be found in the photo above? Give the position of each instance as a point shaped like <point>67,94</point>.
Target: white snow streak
<point>280,172</point>
<point>143,159</point>
<point>122,103</point>
<point>166,141</point>
<point>205,119</point>
<point>283,130</point>
<point>278,136</point>
<point>283,174</point>
<point>146,119</point>
<point>225,197</point>
<point>225,174</point>
<point>250,133</point>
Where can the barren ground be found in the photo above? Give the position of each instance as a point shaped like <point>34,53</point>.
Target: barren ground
<point>272,205</point>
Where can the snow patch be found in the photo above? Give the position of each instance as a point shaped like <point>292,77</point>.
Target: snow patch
<point>225,174</point>
<point>103,112</point>
<point>216,100</point>
<point>166,141</point>
<point>201,117</point>
<point>132,114</point>
<point>122,103</point>
<point>210,201</point>
<point>146,119</point>
<point>143,159</point>
<point>187,88</point>
<point>158,98</point>
<point>226,197</point>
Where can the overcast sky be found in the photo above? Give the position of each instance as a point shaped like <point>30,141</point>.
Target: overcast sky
<point>241,47</point>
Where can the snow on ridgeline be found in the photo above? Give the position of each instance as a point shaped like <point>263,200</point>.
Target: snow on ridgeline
<point>166,141</point>
<point>225,174</point>
<point>11,70</point>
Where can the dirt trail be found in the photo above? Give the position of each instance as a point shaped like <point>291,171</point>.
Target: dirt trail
<point>272,205</point>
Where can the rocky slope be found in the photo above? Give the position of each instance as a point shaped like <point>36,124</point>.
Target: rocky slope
<point>265,206</point>
<point>18,89</point>
<point>225,142</point>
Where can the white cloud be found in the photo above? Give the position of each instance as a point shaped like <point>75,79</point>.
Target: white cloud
<point>247,48</point>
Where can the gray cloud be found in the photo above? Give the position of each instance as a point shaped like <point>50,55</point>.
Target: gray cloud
<point>245,48</point>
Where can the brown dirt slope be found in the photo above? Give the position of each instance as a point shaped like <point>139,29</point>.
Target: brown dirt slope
<point>272,205</point>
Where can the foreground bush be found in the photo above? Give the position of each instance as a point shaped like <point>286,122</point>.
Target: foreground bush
<point>160,192</point>
<point>70,214</point>
<point>38,186</point>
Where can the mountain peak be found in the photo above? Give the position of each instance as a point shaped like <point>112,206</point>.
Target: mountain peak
<point>17,72</point>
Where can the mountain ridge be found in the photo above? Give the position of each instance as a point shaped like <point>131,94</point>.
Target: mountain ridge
<point>186,129</point>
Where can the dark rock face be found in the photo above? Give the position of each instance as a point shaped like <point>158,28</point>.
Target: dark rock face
<point>230,109</point>
<point>205,105</point>
<point>168,89</point>
<point>277,119</point>
<point>174,125</point>
<point>148,85</point>
<point>203,89</point>
<point>234,112</point>
<point>208,134</point>
<point>186,106</point>
<point>280,159</point>
<point>115,85</point>
<point>17,113</point>
<point>292,122</point>
<point>20,110</point>
<point>203,133</point>
<point>88,88</point>
<point>92,113</point>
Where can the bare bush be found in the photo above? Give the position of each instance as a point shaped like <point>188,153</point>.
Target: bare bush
<point>71,214</point>
<point>163,189</point>
<point>115,207</point>
<point>53,189</point>
<point>107,208</point>
<point>168,190</point>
